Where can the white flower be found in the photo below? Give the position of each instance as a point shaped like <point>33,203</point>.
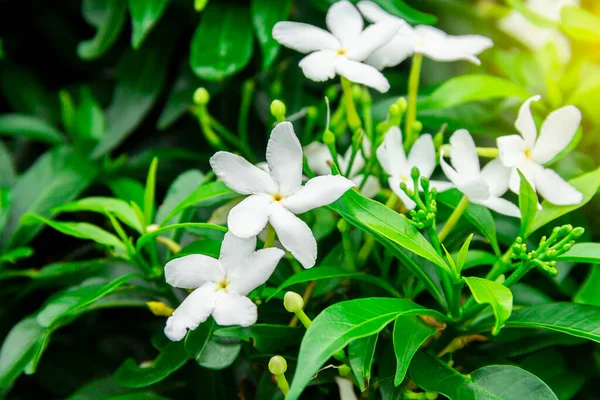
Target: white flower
<point>423,39</point>
<point>342,51</point>
<point>276,196</point>
<point>221,285</point>
<point>319,160</point>
<point>528,152</point>
<point>481,186</point>
<point>394,162</point>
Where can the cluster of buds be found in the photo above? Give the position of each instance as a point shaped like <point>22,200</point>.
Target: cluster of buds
<point>423,216</point>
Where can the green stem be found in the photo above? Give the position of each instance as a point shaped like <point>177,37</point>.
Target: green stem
<point>283,384</point>
<point>413,91</point>
<point>270,239</point>
<point>352,114</point>
<point>348,252</point>
<point>454,218</point>
<point>247,94</point>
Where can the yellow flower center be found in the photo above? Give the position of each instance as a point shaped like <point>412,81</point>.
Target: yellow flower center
<point>528,153</point>
<point>404,178</point>
<point>222,285</point>
<point>277,197</point>
<point>341,52</point>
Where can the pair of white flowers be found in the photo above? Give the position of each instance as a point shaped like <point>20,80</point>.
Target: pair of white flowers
<point>357,53</point>
<point>274,198</point>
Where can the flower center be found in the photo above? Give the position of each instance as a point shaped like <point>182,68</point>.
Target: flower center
<point>341,52</point>
<point>528,153</point>
<point>222,285</point>
<point>277,197</point>
<point>404,178</point>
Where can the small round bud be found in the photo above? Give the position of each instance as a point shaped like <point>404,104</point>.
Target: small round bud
<point>402,104</point>
<point>417,126</point>
<point>403,186</point>
<point>415,173</point>
<point>394,111</point>
<point>425,183</point>
<point>342,225</point>
<point>329,137</point>
<point>565,230</point>
<point>312,112</point>
<point>199,5</point>
<point>293,302</point>
<point>278,109</point>
<point>519,240</point>
<point>344,370</point>
<point>332,93</point>
<point>431,395</point>
<point>555,230</point>
<point>420,225</point>
<point>577,232</point>
<point>277,365</point>
<point>201,96</point>
<point>421,214</point>
<point>412,213</point>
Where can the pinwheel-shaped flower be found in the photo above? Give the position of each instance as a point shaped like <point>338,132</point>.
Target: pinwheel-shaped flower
<point>427,40</point>
<point>481,186</point>
<point>342,51</point>
<point>528,152</point>
<point>221,286</point>
<point>276,196</point>
<point>394,162</point>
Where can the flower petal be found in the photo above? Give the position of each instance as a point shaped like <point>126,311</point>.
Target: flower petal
<point>555,189</point>
<point>318,158</point>
<point>372,38</point>
<point>439,46</point>
<point>303,37</point>
<point>497,176</point>
<point>319,66</point>
<point>241,176</point>
<point>501,206</point>
<point>257,270</point>
<point>441,186</point>
<point>394,183</point>
<point>391,153</point>
<point>361,73</point>
<point>294,235</point>
<point>373,13</point>
<point>392,53</point>
<point>192,271</point>
<point>235,252</point>
<point>249,217</point>
<point>556,133</point>
<point>450,172</point>
<point>471,44</point>
<point>317,192</point>
<point>512,150</point>
<point>345,22</point>
<point>463,154</point>
<point>194,310</point>
<point>284,155</point>
<point>422,155</point>
<point>233,309</point>
<point>525,123</point>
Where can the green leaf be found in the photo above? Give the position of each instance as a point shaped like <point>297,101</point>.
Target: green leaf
<point>468,88</point>
<point>182,187</point>
<point>219,353</point>
<point>149,236</point>
<point>587,184</point>
<point>265,337</point>
<point>589,291</point>
<point>400,9</point>
<point>149,192</point>
<point>318,273</point>
<point>7,169</point>
<point>81,230</point>
<point>222,43</point>
<point>18,349</point>
<point>342,323</point>
<point>196,340</point>
<point>89,123</point>
<point>477,258</point>
<point>16,254</point>
<point>409,335</point>
<point>108,16</point>
<point>580,24</point>
<point>265,14</point>
<point>498,296</point>
<point>181,96</point>
<point>127,189</point>
<point>29,127</point>
<point>582,253</point>
<point>495,382</point>
<point>361,353</point>
<point>480,217</point>
<point>463,254</point>
<point>528,204</point>
<point>171,358</point>
<point>144,15</point>
<point>117,207</point>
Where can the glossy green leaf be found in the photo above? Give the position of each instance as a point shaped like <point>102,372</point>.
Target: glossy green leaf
<point>580,24</point>
<point>196,340</point>
<point>118,208</point>
<point>587,184</point>
<point>18,349</point>
<point>127,189</point>
<point>361,353</point>
<point>219,353</point>
<point>319,273</point>
<point>265,14</point>
<point>498,296</point>
<point>222,43</point>
<point>7,169</point>
<point>108,17</point>
<point>410,332</point>
<point>16,254</point>
<point>400,9</point>
<point>265,337</point>
<point>582,253</point>
<point>139,396</point>
<point>29,127</point>
<point>342,323</point>
<point>589,291</point>
<point>149,192</point>
<point>528,204</point>
<point>495,382</point>
<point>463,254</point>
<point>89,122</point>
<point>181,96</point>
<point>144,15</point>
<point>181,188</point>
<point>149,236</point>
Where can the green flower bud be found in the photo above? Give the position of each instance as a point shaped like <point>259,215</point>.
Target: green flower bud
<point>425,183</point>
<point>201,96</point>
<point>565,230</point>
<point>342,225</point>
<point>277,365</point>
<point>312,112</point>
<point>577,232</point>
<point>415,173</point>
<point>417,126</point>
<point>199,5</point>
<point>278,110</point>
<point>293,302</point>
<point>345,371</point>
<point>394,115</point>
<point>402,104</point>
<point>431,396</point>
<point>329,137</point>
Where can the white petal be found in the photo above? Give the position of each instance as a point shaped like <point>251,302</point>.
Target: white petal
<point>525,123</point>
<point>256,271</point>
<point>233,309</point>
<point>284,155</point>
<point>361,73</point>
<point>497,176</point>
<point>475,188</point>
<point>501,206</point>
<point>556,133</point>
<point>395,186</point>
<point>555,189</point>
<point>241,176</point>
<point>318,158</point>
<point>373,13</point>
<point>303,37</point>
<point>529,169</point>
<point>194,310</point>
<point>392,157</point>
<point>317,192</point>
<point>249,217</point>
<point>235,251</point>
<point>439,46</point>
<point>345,22</point>
<point>371,187</point>
<point>450,172</point>
<point>422,155</point>
<point>512,150</point>
<point>372,38</point>
<point>294,235</point>
<point>463,154</point>
<point>392,53</point>
<point>192,271</point>
<point>471,44</point>
<point>441,186</point>
<point>319,66</point>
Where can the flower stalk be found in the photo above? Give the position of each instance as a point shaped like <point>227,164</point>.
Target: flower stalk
<point>413,91</point>
<point>454,218</point>
<point>294,303</point>
<point>278,367</point>
<point>351,113</point>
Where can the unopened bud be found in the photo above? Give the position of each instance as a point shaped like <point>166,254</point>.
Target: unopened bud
<point>402,104</point>
<point>345,371</point>
<point>577,232</point>
<point>160,309</point>
<point>277,365</point>
<point>278,110</point>
<point>342,225</point>
<point>200,5</point>
<point>293,302</point>
<point>201,96</point>
<point>152,228</point>
<point>417,126</point>
<point>329,137</point>
<point>394,115</point>
<point>332,93</point>
<point>415,173</point>
<point>312,112</point>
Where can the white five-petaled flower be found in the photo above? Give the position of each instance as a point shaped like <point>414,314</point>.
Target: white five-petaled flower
<point>221,286</point>
<point>276,197</point>
<point>340,51</point>
<point>394,162</point>
<point>427,40</point>
<point>319,161</point>
<point>481,186</point>
<point>528,152</point>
